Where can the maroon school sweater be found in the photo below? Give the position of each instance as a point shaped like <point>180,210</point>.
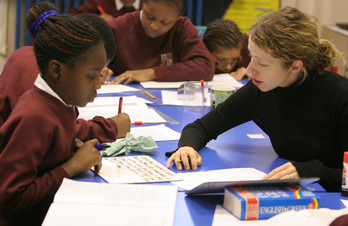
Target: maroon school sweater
<point>109,6</point>
<point>35,140</point>
<point>245,54</point>
<point>178,55</point>
<point>19,75</point>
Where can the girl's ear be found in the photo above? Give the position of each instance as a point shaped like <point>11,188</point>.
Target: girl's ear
<point>55,69</point>
<point>296,66</point>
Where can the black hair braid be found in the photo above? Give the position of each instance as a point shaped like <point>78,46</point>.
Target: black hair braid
<point>105,31</point>
<point>61,37</point>
<point>222,34</point>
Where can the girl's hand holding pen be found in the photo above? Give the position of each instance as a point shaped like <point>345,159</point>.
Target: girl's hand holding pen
<point>84,158</point>
<point>123,124</point>
<point>187,157</point>
<point>135,75</point>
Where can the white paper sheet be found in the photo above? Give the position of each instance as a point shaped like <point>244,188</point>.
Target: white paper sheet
<point>136,112</point>
<point>119,88</point>
<point>108,101</point>
<point>87,203</point>
<point>224,80</point>
<point>158,132</point>
<point>108,107</point>
<point>193,179</point>
<point>345,202</point>
<point>160,85</point>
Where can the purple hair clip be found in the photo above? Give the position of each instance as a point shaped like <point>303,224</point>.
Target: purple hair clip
<point>37,23</point>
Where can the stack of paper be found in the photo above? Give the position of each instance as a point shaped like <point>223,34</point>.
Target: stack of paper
<point>107,107</point>
<point>216,180</point>
<point>86,203</point>
<point>193,180</point>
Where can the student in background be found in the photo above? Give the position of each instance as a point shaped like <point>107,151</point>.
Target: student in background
<point>108,9</point>
<point>228,46</point>
<point>302,107</point>
<point>157,44</point>
<point>21,71</point>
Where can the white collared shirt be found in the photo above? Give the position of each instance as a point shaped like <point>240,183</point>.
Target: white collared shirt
<point>42,84</point>
<point>120,5</point>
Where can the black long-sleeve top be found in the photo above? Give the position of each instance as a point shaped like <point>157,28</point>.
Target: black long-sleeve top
<point>307,123</point>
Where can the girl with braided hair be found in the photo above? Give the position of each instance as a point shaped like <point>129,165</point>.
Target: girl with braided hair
<point>37,142</point>
<point>302,107</point>
<point>228,46</point>
<point>21,71</point>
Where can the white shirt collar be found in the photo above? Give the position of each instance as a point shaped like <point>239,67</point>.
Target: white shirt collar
<point>119,4</point>
<point>42,84</point>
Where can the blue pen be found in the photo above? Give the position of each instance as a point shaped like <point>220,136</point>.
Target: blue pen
<point>101,147</point>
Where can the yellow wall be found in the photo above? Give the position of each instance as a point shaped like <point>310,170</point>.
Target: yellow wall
<point>246,12</point>
<point>10,32</point>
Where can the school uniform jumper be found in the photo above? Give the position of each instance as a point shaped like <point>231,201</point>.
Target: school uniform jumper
<point>109,6</point>
<point>178,55</point>
<point>19,75</point>
<point>38,136</point>
<point>306,123</point>
<point>244,53</point>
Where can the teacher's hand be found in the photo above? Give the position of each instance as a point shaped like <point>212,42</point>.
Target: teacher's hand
<point>286,171</point>
<point>187,157</point>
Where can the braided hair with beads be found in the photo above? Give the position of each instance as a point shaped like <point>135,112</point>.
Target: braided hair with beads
<point>61,37</point>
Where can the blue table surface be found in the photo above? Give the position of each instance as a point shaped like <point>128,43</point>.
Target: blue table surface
<point>233,149</point>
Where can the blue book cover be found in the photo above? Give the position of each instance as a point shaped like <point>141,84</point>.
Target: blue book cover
<point>263,202</point>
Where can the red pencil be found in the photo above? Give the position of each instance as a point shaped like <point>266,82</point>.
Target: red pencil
<point>120,105</point>
<point>101,10</point>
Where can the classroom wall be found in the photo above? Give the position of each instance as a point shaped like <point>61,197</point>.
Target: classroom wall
<point>328,12</point>
<point>11,31</point>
